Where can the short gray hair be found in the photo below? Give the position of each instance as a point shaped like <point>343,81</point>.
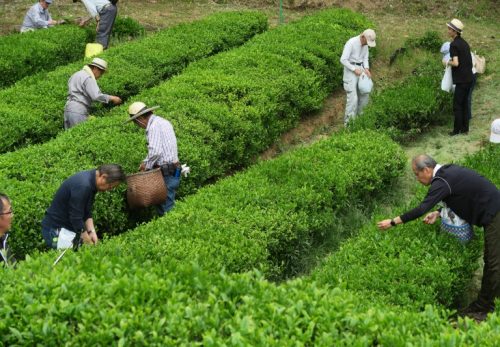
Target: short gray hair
<point>422,161</point>
<point>114,173</point>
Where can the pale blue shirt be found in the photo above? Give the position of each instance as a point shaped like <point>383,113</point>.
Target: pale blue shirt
<point>94,7</point>
<point>36,18</point>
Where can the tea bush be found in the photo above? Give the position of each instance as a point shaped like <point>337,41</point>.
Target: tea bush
<point>26,54</point>
<point>39,100</point>
<point>225,110</point>
<point>408,108</point>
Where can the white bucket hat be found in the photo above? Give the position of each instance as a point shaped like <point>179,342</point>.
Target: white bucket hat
<point>370,36</point>
<point>139,108</point>
<point>495,131</point>
<point>456,25</point>
<point>99,63</point>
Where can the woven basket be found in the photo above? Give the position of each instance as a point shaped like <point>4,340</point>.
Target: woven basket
<point>146,189</point>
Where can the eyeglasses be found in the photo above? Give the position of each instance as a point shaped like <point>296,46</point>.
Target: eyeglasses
<point>8,212</point>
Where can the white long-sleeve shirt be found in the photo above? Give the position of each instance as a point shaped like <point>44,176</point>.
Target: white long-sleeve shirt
<point>36,18</point>
<point>354,52</point>
<point>162,143</point>
<point>95,6</point>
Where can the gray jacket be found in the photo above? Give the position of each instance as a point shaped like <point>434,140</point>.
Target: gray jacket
<point>82,90</point>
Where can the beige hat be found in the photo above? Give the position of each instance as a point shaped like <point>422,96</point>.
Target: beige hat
<point>137,109</point>
<point>369,35</point>
<point>99,63</point>
<point>495,131</point>
<point>456,25</point>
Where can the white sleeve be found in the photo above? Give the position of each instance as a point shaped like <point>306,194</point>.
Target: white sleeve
<point>346,53</point>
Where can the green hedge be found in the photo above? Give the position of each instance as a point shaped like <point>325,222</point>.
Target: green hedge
<point>411,265</point>
<point>408,108</point>
<point>39,100</point>
<point>225,110</point>
<point>26,54</point>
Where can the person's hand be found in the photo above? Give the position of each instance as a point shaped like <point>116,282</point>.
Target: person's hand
<point>358,71</point>
<point>116,100</point>
<point>142,167</point>
<point>384,225</point>
<point>431,218</point>
<point>61,21</point>
<point>52,22</point>
<point>368,73</point>
<point>93,237</point>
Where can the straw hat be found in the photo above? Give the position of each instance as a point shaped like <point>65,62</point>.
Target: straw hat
<point>99,63</point>
<point>137,109</point>
<point>456,25</point>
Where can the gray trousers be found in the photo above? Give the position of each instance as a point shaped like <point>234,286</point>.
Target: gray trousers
<point>355,101</point>
<point>107,19</point>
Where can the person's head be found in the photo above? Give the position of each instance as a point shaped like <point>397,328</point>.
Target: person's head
<point>455,28</point>
<point>98,66</point>
<point>368,38</point>
<point>45,3</point>
<point>423,168</point>
<point>139,113</point>
<point>108,177</point>
<point>495,131</point>
<point>6,214</point>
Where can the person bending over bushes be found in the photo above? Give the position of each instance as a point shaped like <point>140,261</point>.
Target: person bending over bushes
<point>38,17</point>
<point>70,212</point>
<point>6,215</point>
<point>473,198</point>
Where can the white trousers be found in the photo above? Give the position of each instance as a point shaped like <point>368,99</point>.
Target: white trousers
<point>355,101</point>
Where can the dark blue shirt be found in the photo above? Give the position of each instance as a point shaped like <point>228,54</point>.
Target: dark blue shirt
<point>72,203</point>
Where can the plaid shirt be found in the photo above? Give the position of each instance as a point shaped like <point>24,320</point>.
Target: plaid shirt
<point>162,144</point>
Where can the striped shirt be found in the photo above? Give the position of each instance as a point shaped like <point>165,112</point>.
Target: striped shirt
<point>162,144</point>
<point>36,18</point>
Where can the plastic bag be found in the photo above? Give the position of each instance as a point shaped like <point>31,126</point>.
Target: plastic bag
<point>447,82</point>
<point>365,84</point>
<point>480,63</point>
<point>453,224</point>
<point>65,238</point>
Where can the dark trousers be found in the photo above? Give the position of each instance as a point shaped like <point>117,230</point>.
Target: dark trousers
<point>469,97</point>
<point>490,285</point>
<point>460,108</point>
<point>106,20</point>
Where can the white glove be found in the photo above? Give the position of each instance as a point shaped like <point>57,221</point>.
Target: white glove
<point>185,170</point>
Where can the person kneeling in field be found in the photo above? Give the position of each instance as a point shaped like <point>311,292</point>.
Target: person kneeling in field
<point>38,17</point>
<point>71,208</point>
<point>473,198</point>
<point>6,215</point>
<point>82,90</point>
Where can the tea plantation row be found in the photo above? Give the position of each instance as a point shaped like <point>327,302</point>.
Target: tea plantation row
<point>33,109</point>
<point>43,50</point>
<point>225,110</point>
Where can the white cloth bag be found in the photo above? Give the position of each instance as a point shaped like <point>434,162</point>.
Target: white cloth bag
<point>365,84</point>
<point>447,82</point>
<point>65,239</point>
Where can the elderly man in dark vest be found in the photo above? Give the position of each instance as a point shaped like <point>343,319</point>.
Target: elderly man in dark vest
<point>474,199</point>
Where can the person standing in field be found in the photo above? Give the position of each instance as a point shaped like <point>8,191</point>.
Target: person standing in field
<point>461,71</point>
<point>355,60</point>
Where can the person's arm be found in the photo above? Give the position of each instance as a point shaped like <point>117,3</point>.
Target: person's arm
<point>91,236</point>
<point>454,56</point>
<point>77,204</point>
<point>154,148</point>
<point>344,59</point>
<point>94,92</point>
<point>366,63</point>
<point>437,192</point>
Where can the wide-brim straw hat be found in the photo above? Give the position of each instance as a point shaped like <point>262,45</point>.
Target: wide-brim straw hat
<point>138,109</point>
<point>99,63</point>
<point>456,25</point>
